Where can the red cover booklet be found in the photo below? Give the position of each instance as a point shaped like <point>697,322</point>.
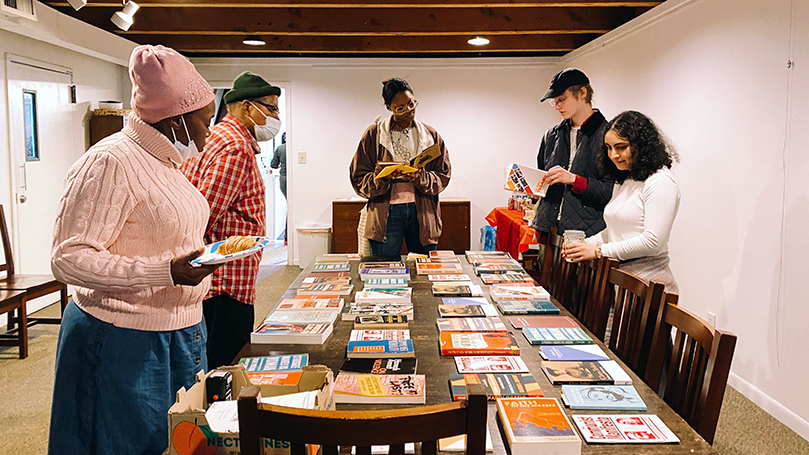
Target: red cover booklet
<point>476,343</point>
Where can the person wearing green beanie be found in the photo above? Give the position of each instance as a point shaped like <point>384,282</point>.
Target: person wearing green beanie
<point>227,174</point>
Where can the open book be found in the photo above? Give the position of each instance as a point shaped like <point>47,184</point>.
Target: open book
<point>525,179</point>
<point>386,168</point>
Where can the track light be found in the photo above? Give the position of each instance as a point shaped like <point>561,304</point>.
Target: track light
<point>123,19</point>
<point>254,40</point>
<point>478,41</point>
<point>77,4</point>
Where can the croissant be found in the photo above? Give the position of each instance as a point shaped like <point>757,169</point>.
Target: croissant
<point>236,243</point>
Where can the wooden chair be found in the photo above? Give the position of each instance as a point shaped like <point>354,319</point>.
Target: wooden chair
<point>697,371</point>
<point>636,305</point>
<point>34,285</point>
<point>11,301</point>
<point>362,429</point>
<point>591,293</point>
<point>557,274</point>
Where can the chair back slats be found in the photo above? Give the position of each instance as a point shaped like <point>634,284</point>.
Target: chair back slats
<point>8,266</point>
<point>362,429</point>
<point>591,294</point>
<point>698,368</point>
<point>557,274</point>
<point>635,308</point>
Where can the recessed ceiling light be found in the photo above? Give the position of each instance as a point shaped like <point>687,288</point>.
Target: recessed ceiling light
<point>254,40</point>
<point>478,41</point>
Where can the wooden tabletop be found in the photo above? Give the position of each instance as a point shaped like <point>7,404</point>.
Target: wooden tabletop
<point>437,368</point>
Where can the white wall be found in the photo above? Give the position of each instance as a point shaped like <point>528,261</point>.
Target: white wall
<point>713,74</point>
<point>487,111</point>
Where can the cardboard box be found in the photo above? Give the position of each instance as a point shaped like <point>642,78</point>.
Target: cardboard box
<point>189,433</point>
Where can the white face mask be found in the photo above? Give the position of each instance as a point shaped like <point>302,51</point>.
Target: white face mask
<point>186,151</point>
<point>269,129</point>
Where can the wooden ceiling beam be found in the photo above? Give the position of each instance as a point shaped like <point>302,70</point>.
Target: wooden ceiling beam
<point>377,44</point>
<point>332,21</point>
<point>359,5</point>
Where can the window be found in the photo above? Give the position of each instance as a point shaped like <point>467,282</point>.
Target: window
<point>31,128</point>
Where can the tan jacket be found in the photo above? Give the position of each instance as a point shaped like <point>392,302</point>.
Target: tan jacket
<point>438,172</point>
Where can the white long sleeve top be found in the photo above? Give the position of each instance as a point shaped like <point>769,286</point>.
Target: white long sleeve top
<point>639,217</point>
<point>126,211</point>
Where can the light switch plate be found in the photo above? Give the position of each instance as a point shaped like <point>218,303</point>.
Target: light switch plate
<point>301,157</point>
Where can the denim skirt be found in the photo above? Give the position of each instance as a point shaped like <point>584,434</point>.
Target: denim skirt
<point>113,386</point>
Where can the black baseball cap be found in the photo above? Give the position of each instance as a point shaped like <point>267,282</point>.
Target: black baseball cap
<point>563,80</point>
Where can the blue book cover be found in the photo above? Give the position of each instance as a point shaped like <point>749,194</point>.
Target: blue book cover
<point>607,397</point>
<point>556,335</point>
<point>465,301</point>
<point>274,363</point>
<point>509,307</point>
<point>573,352</point>
<point>380,348</point>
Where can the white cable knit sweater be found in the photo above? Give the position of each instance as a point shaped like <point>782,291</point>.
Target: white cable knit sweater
<point>126,211</point>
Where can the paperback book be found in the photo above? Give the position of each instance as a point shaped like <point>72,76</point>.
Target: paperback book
<point>498,268</point>
<point>490,364</point>
<point>527,307</point>
<point>440,268</point>
<point>326,280</point>
<point>525,179</point>
<point>384,283</point>
<point>556,335</point>
<point>519,322</point>
<point>437,260</point>
<point>499,293</point>
<point>454,311</point>
<point>622,429</point>
<point>458,443</point>
<point>290,333</point>
<point>471,256</point>
<point>388,295</point>
<point>380,349</point>
<point>498,278</point>
<point>585,372</point>
<point>374,335</point>
<point>442,254</point>
<point>383,322</point>
<point>492,343</point>
<point>377,309</point>
<point>466,301</point>
<point>498,385</point>
<point>483,324</point>
<point>274,363</point>
<point>325,289</point>
<point>441,289</point>
<point>302,317</point>
<point>402,273</point>
<point>603,397</point>
<point>573,352</point>
<point>313,304</point>
<point>450,277</point>
<point>331,267</point>
<point>278,378</point>
<point>537,425</point>
<point>379,389</point>
<point>328,274</point>
<point>336,257</point>
<point>382,265</point>
<point>379,366</point>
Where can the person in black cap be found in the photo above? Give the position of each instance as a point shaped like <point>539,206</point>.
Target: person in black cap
<point>227,174</point>
<point>578,191</point>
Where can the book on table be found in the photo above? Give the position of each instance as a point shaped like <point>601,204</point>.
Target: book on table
<point>572,352</point>
<point>602,397</point>
<point>490,364</point>
<point>510,277</point>
<point>302,317</point>
<point>382,265</point>
<point>465,311</point>
<point>329,274</point>
<point>378,334</point>
<point>392,295</point>
<point>274,363</point>
<point>480,254</point>
<point>458,443</point>
<point>556,335</point>
<point>381,322</point>
<point>525,179</point>
<point>380,349</point>
<point>537,425</point>
<point>442,254</point>
<point>379,366</point>
<point>353,310</point>
<point>315,290</point>
<point>439,268</point>
<point>519,322</point>
<point>318,267</point>
<point>449,277</point>
<point>477,343</point>
<point>384,283</point>
<point>482,324</point>
<point>290,333</point>
<point>498,385</point>
<point>398,272</point>
<point>498,268</point>
<point>585,372</point>
<point>438,260</point>
<point>313,304</point>
<point>379,388</point>
<point>337,257</point>
<point>326,280</point>
<point>499,293</point>
<point>442,289</point>
<point>527,307</point>
<point>278,378</point>
<point>494,260</point>
<point>623,429</point>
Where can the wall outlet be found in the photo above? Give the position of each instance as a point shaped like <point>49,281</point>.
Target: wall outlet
<point>712,319</point>
<point>301,157</point>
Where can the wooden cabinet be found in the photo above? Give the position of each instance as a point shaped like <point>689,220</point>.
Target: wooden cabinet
<point>455,215</point>
<point>103,124</point>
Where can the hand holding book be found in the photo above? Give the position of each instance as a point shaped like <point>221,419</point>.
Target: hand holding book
<point>407,171</point>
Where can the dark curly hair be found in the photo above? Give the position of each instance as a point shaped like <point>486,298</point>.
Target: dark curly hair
<point>650,150</point>
<point>392,87</point>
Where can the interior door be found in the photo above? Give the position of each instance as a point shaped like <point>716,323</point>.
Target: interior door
<point>43,144</point>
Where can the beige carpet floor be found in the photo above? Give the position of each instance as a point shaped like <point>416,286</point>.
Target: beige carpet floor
<point>744,429</point>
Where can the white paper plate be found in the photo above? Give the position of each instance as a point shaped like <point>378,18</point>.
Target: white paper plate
<point>211,257</point>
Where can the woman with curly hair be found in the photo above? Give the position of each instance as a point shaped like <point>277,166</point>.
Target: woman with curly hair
<point>644,202</point>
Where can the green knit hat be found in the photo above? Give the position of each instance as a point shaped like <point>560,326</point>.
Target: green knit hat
<point>248,86</point>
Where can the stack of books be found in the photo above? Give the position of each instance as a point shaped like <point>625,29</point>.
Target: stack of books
<point>303,320</point>
<point>379,270</point>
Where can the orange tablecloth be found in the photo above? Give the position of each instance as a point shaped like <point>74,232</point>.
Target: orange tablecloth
<point>513,233</point>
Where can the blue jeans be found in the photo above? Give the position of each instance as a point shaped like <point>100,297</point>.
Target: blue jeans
<point>403,224</point>
<point>113,386</point>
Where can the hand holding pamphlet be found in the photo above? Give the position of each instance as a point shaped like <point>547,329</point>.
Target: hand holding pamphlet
<point>386,168</point>
<point>525,179</point>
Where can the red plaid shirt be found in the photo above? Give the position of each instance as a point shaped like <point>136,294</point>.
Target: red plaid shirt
<point>227,174</point>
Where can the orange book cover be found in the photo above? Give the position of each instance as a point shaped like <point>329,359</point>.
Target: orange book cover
<point>540,421</point>
<point>282,378</point>
<point>478,343</point>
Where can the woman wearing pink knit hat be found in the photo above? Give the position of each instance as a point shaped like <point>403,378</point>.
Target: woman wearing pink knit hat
<point>129,223</point>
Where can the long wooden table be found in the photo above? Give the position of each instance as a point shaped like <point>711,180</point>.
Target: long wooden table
<point>437,368</point>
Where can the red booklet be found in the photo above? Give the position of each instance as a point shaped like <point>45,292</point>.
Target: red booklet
<point>476,343</point>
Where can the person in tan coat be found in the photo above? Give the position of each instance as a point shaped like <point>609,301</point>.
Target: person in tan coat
<point>401,207</point>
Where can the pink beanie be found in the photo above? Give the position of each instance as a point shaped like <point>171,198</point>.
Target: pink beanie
<point>165,84</point>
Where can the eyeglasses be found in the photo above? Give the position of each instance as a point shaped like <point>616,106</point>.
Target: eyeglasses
<point>553,101</point>
<point>270,107</point>
<point>405,107</point>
